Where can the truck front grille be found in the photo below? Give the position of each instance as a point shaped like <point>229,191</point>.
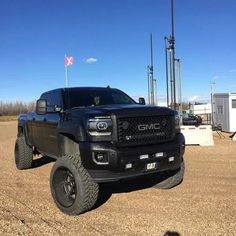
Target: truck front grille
<point>144,130</point>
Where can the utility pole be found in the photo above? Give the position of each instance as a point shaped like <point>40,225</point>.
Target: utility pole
<point>151,73</point>
<point>212,107</point>
<point>66,72</point>
<point>179,87</point>
<point>151,82</point>
<point>172,59</point>
<point>167,79</point>
<point>155,91</point>
<point>148,80</point>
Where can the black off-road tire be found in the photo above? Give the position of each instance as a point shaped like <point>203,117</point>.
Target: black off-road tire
<point>23,154</point>
<point>72,188</point>
<point>172,179</point>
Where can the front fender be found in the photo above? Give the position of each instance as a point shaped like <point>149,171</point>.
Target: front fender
<point>73,128</point>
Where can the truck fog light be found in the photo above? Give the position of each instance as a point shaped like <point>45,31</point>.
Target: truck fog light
<point>171,159</point>
<point>128,166</point>
<point>100,158</point>
<point>142,157</point>
<point>159,154</point>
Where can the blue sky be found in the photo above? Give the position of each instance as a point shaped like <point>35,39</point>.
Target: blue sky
<point>35,35</point>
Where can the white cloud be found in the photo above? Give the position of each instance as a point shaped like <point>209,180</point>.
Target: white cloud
<point>193,98</point>
<point>90,60</point>
<point>233,70</point>
<point>216,77</point>
<point>198,98</point>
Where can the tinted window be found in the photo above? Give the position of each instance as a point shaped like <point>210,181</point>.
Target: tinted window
<point>97,97</point>
<point>53,99</point>
<point>46,96</point>
<point>57,98</point>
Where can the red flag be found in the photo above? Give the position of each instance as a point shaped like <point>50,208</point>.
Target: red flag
<point>69,61</point>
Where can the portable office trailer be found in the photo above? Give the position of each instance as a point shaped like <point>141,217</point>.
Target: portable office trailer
<point>224,111</point>
<point>203,110</point>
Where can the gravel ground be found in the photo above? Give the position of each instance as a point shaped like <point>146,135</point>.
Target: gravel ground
<point>204,204</point>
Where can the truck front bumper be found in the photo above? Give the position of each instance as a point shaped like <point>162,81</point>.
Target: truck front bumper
<point>129,162</point>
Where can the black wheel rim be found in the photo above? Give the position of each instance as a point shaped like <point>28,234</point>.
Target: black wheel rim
<point>64,187</point>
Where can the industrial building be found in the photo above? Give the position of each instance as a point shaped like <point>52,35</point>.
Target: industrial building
<point>224,111</point>
<point>202,110</point>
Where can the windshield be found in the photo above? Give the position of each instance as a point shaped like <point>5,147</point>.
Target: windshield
<point>97,97</point>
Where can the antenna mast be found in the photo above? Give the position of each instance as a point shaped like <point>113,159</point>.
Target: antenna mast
<point>151,73</point>
<point>172,59</point>
<point>151,82</point>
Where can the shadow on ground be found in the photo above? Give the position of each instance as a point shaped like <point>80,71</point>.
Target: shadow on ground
<point>123,186</point>
<point>171,233</point>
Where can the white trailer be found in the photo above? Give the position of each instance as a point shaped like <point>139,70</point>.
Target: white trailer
<point>224,111</point>
<point>202,109</point>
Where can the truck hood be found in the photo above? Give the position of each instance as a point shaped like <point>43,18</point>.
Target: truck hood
<point>122,110</point>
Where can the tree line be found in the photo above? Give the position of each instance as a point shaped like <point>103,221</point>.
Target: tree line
<point>14,108</point>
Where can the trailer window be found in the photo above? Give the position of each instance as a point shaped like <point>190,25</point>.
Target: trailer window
<point>220,109</point>
<point>233,103</point>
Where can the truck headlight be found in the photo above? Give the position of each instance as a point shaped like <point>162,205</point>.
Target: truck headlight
<point>177,122</point>
<point>100,126</point>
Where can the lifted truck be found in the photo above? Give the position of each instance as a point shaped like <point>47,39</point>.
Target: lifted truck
<point>99,135</point>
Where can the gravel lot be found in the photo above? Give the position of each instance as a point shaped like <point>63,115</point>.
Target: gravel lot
<point>204,204</point>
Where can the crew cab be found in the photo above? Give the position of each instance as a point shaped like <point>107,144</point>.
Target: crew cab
<point>99,135</point>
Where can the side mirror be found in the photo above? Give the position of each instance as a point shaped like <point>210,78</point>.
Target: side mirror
<point>41,107</point>
<point>141,101</point>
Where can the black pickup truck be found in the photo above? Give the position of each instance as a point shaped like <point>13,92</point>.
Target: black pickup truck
<point>99,135</point>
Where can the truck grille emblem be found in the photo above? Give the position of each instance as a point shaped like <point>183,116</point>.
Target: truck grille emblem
<point>102,125</point>
<point>154,126</point>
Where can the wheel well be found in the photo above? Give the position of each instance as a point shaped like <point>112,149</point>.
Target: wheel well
<point>67,144</point>
<point>20,130</point>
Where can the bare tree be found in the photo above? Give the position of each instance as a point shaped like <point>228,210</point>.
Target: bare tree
<point>14,108</point>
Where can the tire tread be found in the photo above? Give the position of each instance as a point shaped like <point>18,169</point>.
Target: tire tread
<point>91,189</point>
<point>25,157</point>
<point>173,180</point>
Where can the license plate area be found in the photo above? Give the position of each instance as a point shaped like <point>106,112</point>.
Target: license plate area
<point>151,166</point>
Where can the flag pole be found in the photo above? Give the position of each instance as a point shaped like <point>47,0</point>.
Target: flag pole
<point>66,73</point>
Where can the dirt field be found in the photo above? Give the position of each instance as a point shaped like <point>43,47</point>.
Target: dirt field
<point>8,118</point>
<point>204,204</point>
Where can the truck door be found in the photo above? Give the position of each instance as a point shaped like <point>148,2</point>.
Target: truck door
<point>45,126</point>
